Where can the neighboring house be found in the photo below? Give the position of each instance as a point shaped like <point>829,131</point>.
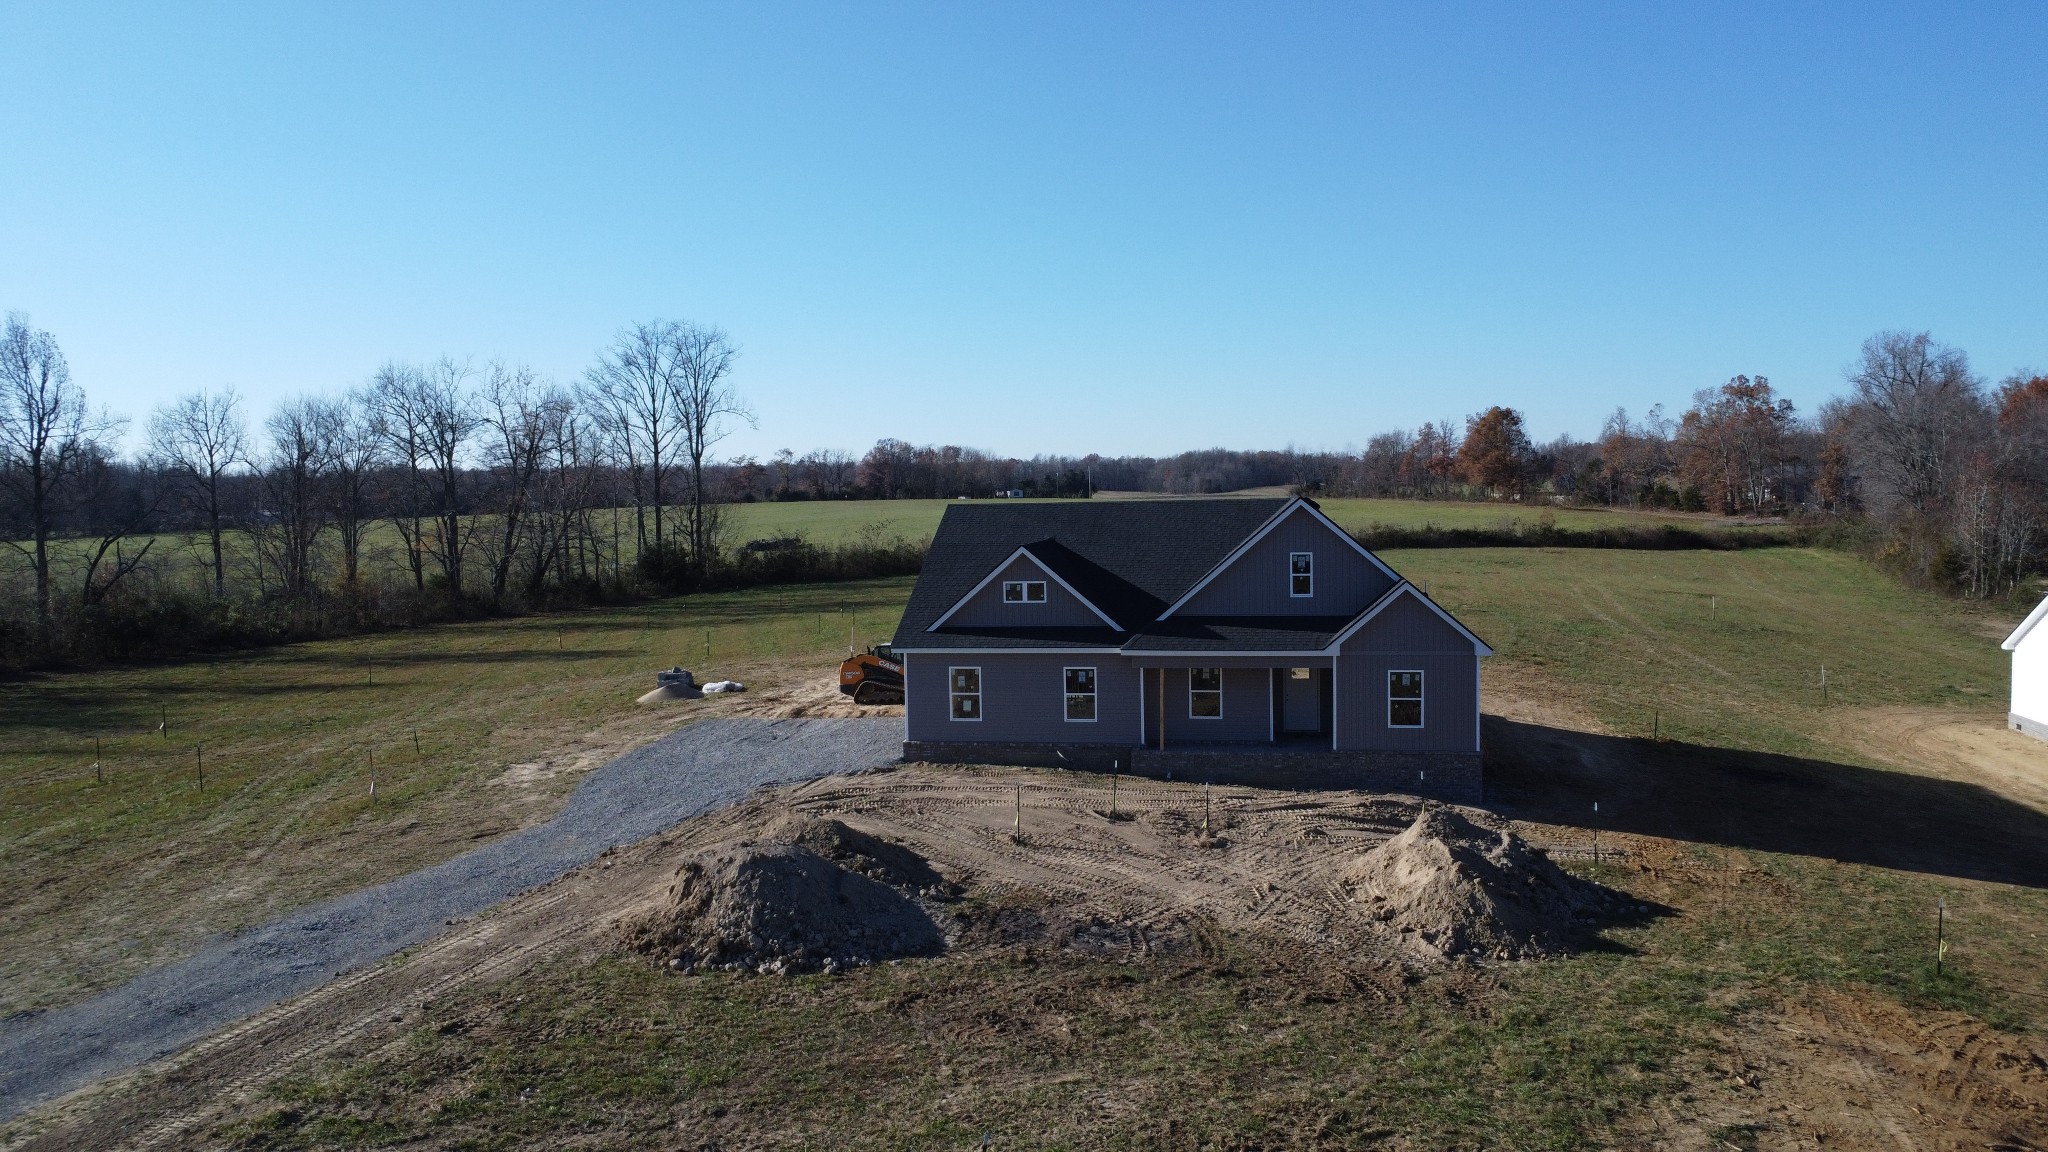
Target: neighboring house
<point>1213,639</point>
<point>2029,647</point>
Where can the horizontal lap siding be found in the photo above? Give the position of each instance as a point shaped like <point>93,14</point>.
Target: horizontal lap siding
<point>1247,702</point>
<point>1407,636</point>
<point>1256,583</point>
<point>986,609</point>
<point>1023,698</point>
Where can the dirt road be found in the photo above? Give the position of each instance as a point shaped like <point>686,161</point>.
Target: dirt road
<point>686,774</point>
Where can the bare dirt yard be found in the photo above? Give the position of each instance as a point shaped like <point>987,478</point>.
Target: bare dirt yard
<point>1181,967</point>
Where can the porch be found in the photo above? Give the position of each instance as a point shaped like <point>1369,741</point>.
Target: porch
<point>1237,704</point>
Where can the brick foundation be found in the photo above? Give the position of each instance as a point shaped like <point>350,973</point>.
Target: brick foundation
<point>1453,776</point>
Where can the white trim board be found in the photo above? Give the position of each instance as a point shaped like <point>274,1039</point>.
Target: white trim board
<point>1023,550</point>
<point>2034,618</point>
<point>1265,530</point>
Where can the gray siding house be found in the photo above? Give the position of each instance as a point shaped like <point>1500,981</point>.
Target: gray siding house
<point>1217,639</point>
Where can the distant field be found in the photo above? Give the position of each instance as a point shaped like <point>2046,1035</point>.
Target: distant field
<point>836,521</point>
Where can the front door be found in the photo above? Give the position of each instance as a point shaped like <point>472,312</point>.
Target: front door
<point>1301,699</point>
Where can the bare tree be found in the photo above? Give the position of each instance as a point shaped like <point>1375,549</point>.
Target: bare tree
<point>350,445</point>
<point>115,504</point>
<point>449,422</point>
<point>47,439</point>
<point>1916,414</point>
<point>400,424</point>
<point>665,388</point>
<point>522,418</point>
<point>704,401</point>
<point>200,438</point>
<point>294,475</point>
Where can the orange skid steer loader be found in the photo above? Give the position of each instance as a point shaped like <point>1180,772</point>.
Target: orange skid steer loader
<point>873,677</point>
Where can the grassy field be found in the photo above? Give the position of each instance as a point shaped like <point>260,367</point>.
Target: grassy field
<point>1773,906</point>
<point>836,522</point>
<point>832,522</point>
<point>102,879</point>
<point>1721,648</point>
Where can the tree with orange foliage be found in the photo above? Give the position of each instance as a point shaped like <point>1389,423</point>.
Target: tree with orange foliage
<point>1732,445</point>
<point>1495,455</point>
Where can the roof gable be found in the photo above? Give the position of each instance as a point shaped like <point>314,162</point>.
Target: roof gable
<point>1127,558</point>
<point>1287,513</point>
<point>1023,564</point>
<point>1405,593</point>
<point>2033,619</point>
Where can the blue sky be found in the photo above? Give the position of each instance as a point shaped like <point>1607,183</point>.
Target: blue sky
<point>1032,227</point>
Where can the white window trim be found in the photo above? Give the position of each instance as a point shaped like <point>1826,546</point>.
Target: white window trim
<point>1291,574</point>
<point>1219,694</point>
<point>1095,678</point>
<point>1024,588</point>
<point>979,709</point>
<point>1421,702</point>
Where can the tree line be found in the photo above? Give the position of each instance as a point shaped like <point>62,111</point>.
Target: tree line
<point>429,491</point>
<point>1921,462</point>
<point>443,489</point>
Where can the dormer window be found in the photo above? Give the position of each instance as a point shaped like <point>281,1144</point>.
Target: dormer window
<point>1023,591</point>
<point>1301,573</point>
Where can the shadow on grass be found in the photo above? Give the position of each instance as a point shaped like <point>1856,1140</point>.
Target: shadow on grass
<point>1765,802</point>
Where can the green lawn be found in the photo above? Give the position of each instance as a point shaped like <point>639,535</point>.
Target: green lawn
<point>1727,646</point>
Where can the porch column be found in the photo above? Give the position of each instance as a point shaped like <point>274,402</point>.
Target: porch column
<point>1162,709</point>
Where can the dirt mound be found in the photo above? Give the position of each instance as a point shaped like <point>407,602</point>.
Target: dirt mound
<point>670,692</point>
<point>809,895</point>
<point>1461,889</point>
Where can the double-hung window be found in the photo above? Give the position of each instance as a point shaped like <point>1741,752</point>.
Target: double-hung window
<point>1205,693</point>
<point>1023,591</point>
<point>1080,693</point>
<point>964,686</point>
<point>1404,699</point>
<point>1301,573</point>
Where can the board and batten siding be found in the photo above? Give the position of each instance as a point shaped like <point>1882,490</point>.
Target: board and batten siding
<point>1247,708</point>
<point>1407,636</point>
<point>1256,583</point>
<point>986,609</point>
<point>1023,698</point>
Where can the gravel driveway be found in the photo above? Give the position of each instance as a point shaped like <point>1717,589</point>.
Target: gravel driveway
<point>704,766</point>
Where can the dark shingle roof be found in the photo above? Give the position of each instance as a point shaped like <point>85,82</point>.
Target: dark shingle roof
<point>1228,634</point>
<point>1129,558</point>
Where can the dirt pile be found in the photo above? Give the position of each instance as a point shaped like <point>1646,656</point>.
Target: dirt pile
<point>1461,889</point>
<point>807,895</point>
